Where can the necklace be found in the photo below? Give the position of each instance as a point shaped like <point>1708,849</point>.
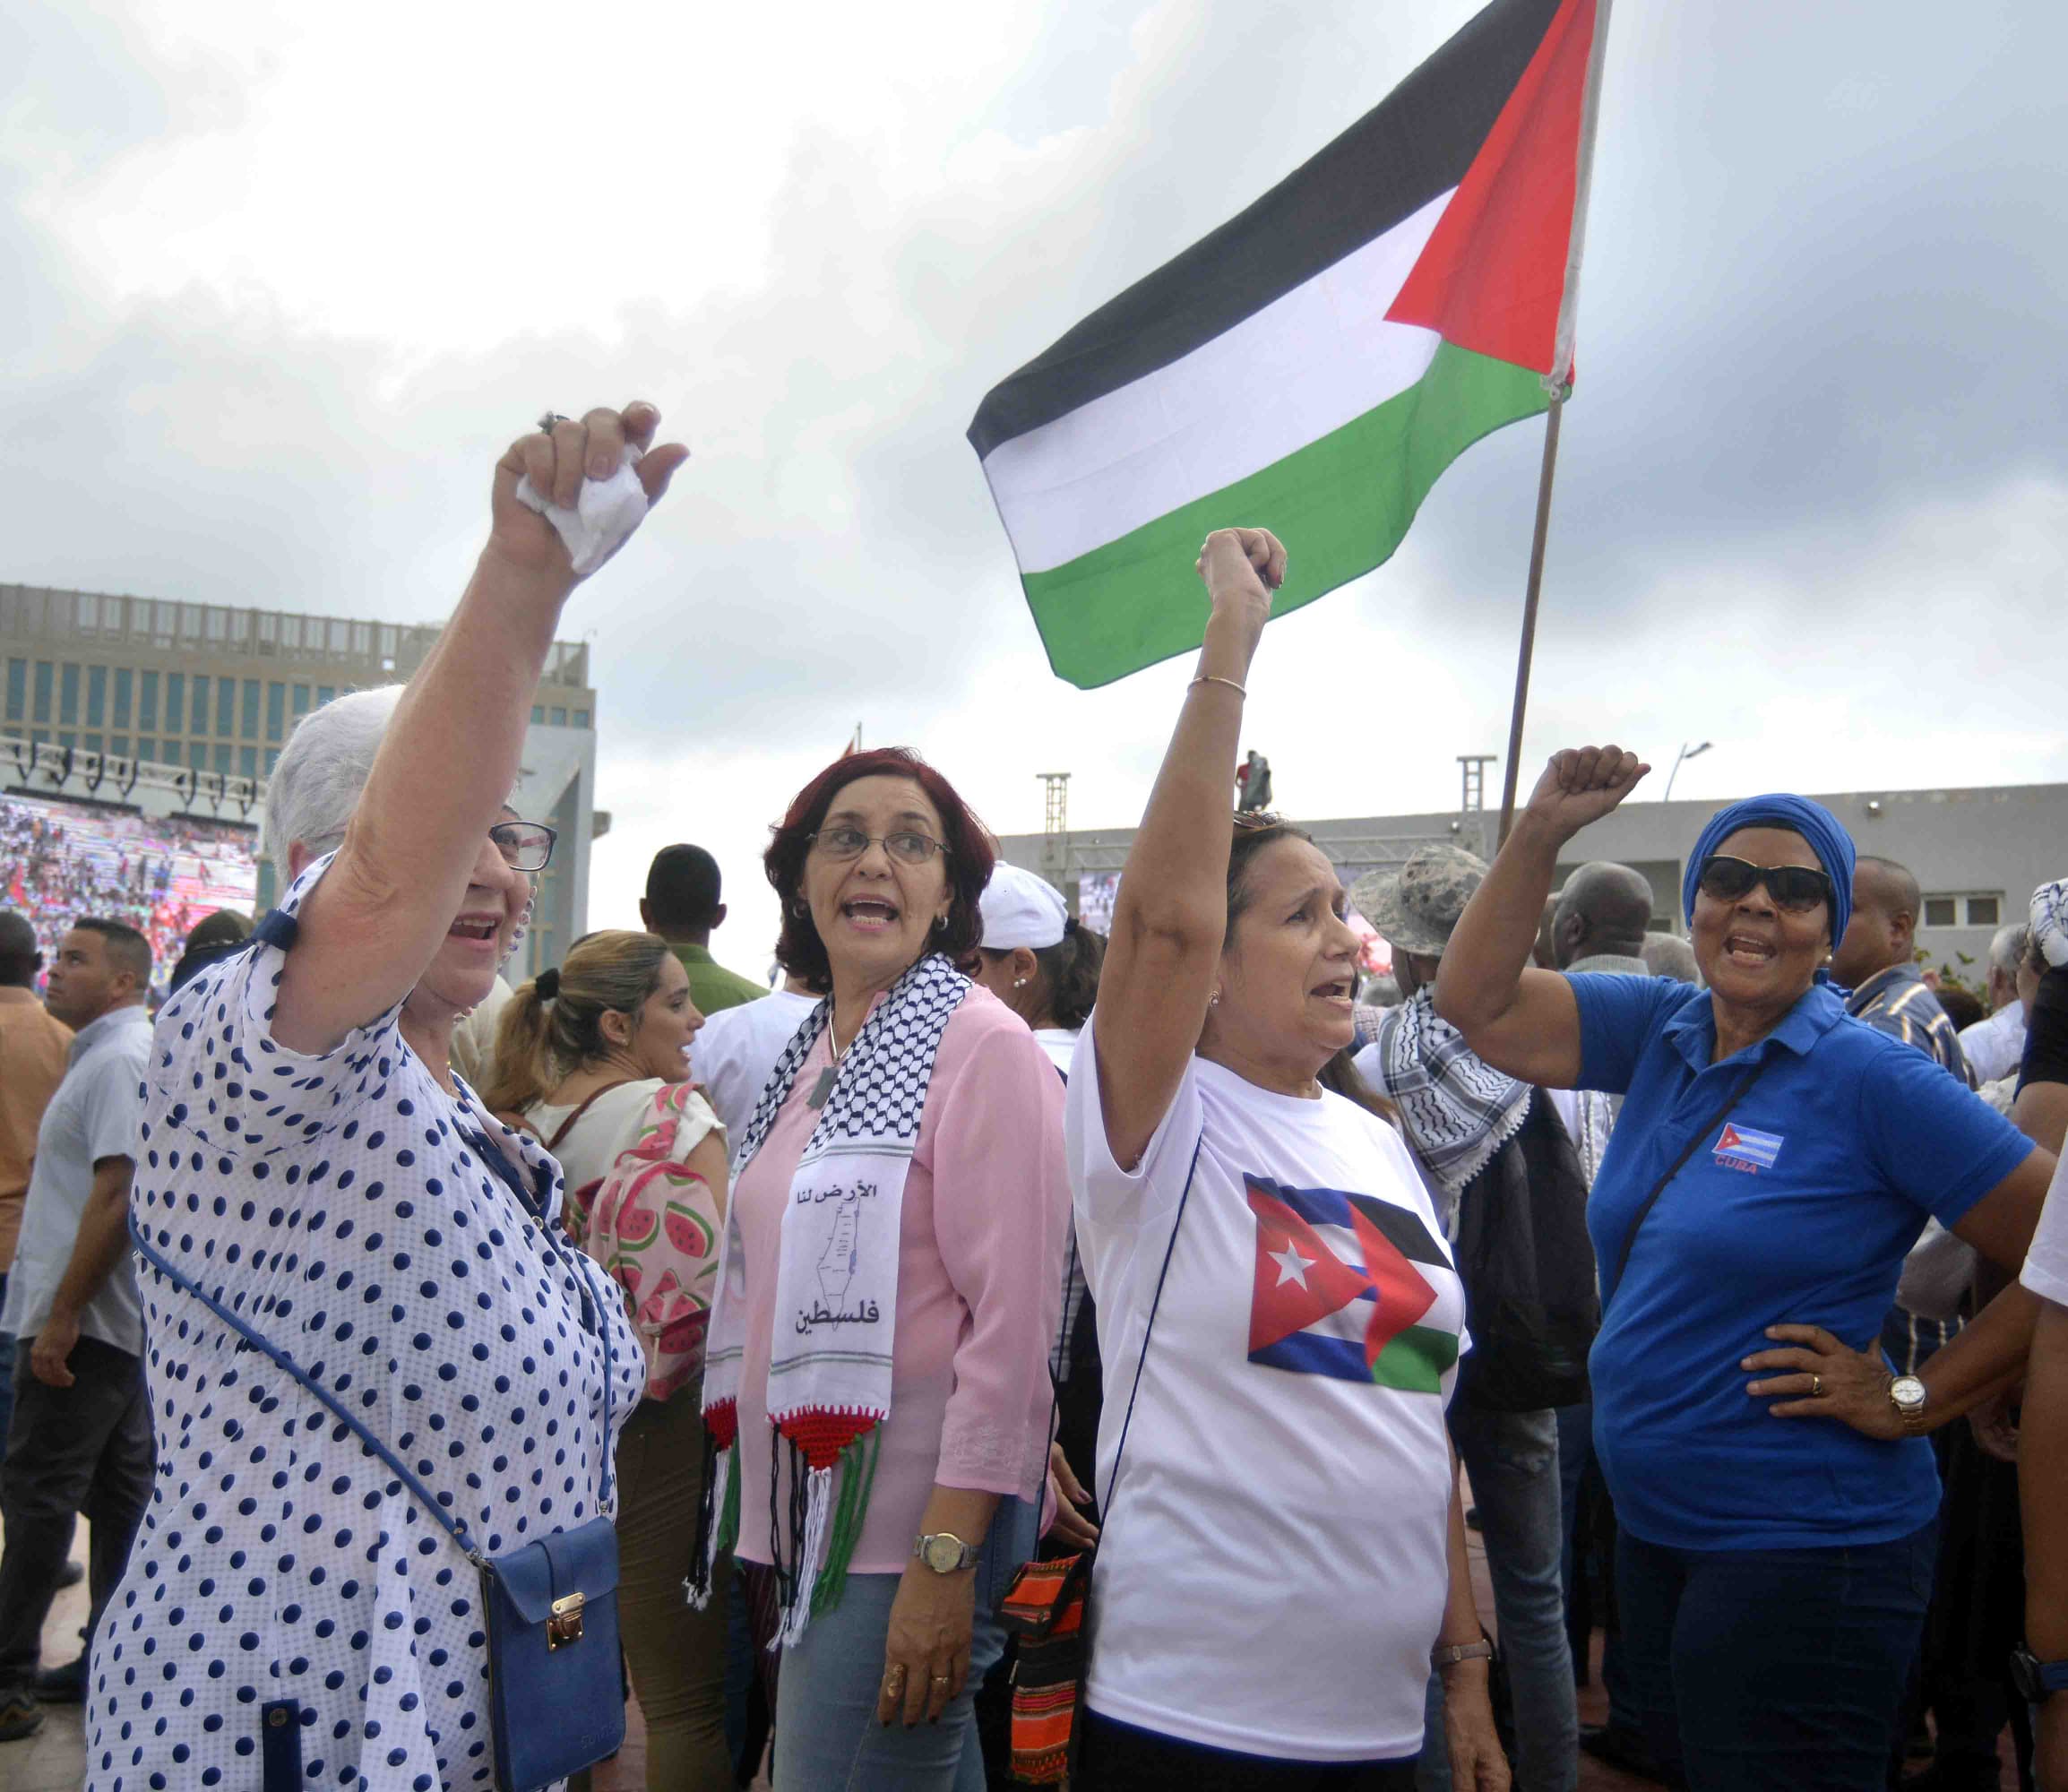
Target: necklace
<point>823,1089</point>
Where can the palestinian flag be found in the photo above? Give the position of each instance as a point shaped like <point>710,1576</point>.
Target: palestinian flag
<point>1313,366</point>
<point>1343,1282</point>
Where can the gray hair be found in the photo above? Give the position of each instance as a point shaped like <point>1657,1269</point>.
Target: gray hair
<point>2008,946</point>
<point>1669,955</point>
<point>324,768</point>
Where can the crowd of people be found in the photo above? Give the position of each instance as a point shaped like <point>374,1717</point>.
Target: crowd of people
<point>157,875</point>
<point>1011,1351</point>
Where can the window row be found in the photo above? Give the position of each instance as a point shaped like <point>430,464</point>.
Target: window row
<point>44,691</point>
<point>1981,910</point>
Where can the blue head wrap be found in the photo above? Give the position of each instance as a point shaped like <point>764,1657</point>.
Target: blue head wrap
<point>1825,833</point>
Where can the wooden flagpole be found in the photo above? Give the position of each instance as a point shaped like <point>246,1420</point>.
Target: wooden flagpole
<point>1529,619</point>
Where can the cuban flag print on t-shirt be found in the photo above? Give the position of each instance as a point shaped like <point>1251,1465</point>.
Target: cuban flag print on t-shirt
<point>1343,1281</point>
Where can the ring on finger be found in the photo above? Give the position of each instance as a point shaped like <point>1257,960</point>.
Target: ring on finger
<point>547,422</point>
<point>1816,1387</point>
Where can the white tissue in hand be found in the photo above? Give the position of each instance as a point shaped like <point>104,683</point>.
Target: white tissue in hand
<point>605,513</point>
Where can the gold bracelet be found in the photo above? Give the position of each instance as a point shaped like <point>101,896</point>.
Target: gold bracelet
<point>1213,678</point>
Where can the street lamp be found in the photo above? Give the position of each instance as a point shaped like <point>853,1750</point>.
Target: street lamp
<point>1685,752</point>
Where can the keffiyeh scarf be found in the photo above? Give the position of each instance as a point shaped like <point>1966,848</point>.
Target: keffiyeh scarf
<point>836,1306</point>
<point>2049,916</point>
<point>1456,1110</point>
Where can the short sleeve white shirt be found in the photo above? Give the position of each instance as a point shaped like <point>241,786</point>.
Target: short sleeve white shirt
<point>1273,1570</point>
<point>735,1054</point>
<point>2045,1271</point>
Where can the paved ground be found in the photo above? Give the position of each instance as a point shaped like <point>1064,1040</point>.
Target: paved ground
<point>54,1760</point>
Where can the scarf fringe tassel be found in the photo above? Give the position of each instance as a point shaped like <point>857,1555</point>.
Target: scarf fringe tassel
<point>718,1511</point>
<point>823,1531</point>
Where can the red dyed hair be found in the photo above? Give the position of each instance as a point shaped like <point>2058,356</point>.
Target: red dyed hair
<point>970,856</point>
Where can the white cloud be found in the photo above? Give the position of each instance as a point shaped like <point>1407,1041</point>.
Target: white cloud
<point>290,278</point>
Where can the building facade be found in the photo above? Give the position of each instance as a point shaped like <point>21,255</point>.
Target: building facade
<point>1977,854</point>
<point>174,707</point>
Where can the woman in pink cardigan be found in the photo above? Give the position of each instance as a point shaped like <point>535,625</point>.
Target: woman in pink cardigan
<point>876,1380</point>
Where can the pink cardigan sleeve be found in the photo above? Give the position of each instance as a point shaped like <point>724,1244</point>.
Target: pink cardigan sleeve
<point>1000,1220</point>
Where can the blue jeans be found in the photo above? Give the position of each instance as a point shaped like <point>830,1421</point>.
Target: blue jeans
<point>1577,1470</point>
<point>827,1735</point>
<point>1774,1670</point>
<point>1512,1460</point>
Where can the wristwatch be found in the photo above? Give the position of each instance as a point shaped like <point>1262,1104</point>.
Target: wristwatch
<point>2037,1681</point>
<point>1449,1654</point>
<point>943,1551</point>
<point>1907,1395</point>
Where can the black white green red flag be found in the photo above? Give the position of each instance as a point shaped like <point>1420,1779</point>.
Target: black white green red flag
<point>1313,366</point>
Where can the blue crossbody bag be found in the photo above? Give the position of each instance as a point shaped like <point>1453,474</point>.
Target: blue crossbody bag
<point>555,1700</point>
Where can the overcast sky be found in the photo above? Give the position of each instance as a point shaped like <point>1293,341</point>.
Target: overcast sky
<point>277,285</point>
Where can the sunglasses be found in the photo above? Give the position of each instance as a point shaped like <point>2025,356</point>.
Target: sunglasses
<point>525,846</point>
<point>1796,888</point>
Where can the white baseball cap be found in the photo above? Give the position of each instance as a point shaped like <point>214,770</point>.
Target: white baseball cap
<point>1021,910</point>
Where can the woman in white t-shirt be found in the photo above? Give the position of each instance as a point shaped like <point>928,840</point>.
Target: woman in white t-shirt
<point>593,1058</point>
<point>1283,1551</point>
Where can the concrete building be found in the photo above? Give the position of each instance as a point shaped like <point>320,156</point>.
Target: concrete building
<point>173,707</point>
<point>1978,852</point>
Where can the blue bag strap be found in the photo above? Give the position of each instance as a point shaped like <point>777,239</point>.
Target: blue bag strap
<point>288,1366</point>
<point>280,1358</point>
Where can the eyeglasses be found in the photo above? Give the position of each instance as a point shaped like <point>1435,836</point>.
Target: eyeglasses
<point>525,846</point>
<point>1796,888</point>
<point>906,846</point>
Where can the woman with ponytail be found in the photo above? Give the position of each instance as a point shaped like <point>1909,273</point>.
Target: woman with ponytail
<point>592,1058</point>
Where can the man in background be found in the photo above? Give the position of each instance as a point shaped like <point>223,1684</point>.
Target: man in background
<point>1876,961</point>
<point>32,1047</point>
<point>1669,955</point>
<point>1477,1135</point>
<point>1598,928</point>
<point>1996,1046</point>
<point>682,906</point>
<point>79,1441</point>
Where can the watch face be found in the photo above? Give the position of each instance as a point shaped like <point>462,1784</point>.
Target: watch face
<point>1908,1392</point>
<point>943,1553</point>
<point>2034,1680</point>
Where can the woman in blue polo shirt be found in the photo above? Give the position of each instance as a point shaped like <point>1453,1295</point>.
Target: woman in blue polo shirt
<point>1772,1162</point>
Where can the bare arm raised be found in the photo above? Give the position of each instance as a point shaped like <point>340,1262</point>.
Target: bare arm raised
<point>372,927</point>
<point>1170,917</point>
<point>1518,1019</point>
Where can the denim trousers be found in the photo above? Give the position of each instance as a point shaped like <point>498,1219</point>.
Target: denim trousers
<point>1774,1670</point>
<point>85,1449</point>
<point>827,1735</point>
<point>1582,1495</point>
<point>1512,1458</point>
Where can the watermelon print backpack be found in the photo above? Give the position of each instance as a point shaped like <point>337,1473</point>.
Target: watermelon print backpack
<point>652,1223</point>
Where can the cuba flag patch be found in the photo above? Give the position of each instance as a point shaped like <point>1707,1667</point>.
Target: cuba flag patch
<point>1740,1147</point>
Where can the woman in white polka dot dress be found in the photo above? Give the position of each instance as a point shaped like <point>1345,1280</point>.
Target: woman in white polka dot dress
<point>291,1615</point>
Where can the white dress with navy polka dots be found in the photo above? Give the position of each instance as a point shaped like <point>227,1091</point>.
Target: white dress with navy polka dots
<point>335,1204</point>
